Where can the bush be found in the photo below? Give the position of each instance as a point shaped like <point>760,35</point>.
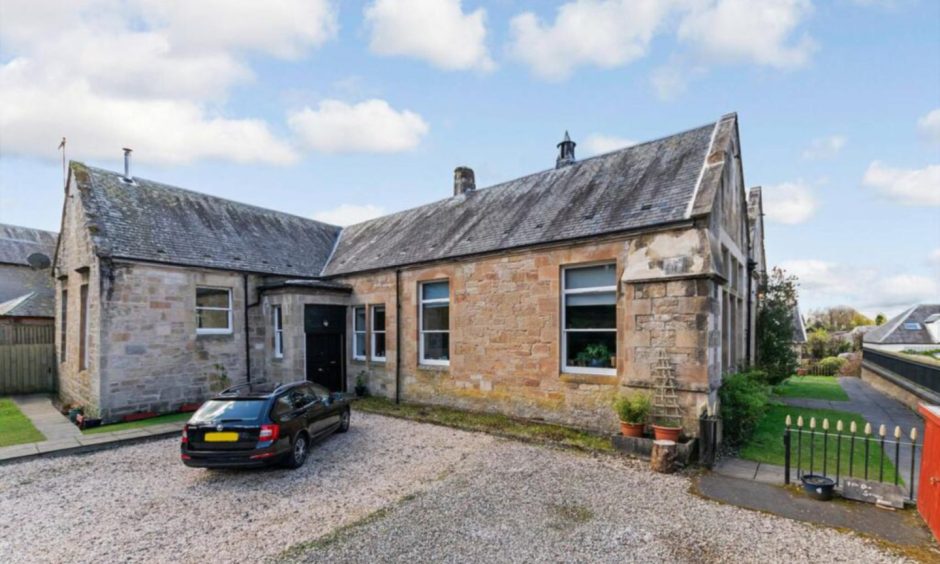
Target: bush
<point>852,366</point>
<point>633,408</point>
<point>831,365</point>
<point>774,336</point>
<point>743,404</point>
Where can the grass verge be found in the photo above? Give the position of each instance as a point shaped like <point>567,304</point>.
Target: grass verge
<point>169,418</point>
<point>493,423</point>
<point>16,428</point>
<point>815,387</point>
<point>766,444</point>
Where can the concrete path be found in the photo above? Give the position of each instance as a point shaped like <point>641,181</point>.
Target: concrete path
<point>63,437</point>
<point>902,528</point>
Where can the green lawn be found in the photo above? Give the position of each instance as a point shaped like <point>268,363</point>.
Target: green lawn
<point>16,428</point>
<point>170,418</point>
<point>766,445</point>
<point>486,422</point>
<point>816,387</point>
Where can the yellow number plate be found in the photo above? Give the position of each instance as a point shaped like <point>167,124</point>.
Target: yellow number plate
<point>221,437</point>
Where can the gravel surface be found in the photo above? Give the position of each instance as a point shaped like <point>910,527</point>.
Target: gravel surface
<point>520,503</point>
<point>446,495</point>
<point>139,503</point>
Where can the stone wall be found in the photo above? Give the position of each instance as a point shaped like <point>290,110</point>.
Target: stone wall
<point>505,337</point>
<point>152,358</point>
<point>76,264</point>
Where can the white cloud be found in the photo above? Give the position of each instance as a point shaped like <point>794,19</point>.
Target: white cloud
<point>758,31</point>
<point>929,126</point>
<point>824,147</point>
<point>601,33</point>
<point>916,187</point>
<point>598,143</point>
<point>349,214</point>
<point>371,126</point>
<point>437,31</point>
<point>934,257</point>
<point>869,289</point>
<point>147,74</point>
<point>790,202</point>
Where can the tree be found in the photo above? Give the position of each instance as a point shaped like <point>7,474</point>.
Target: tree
<point>775,354</point>
<point>880,319</point>
<point>838,318</point>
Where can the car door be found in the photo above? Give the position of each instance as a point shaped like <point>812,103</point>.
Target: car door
<point>315,410</point>
<point>329,413</point>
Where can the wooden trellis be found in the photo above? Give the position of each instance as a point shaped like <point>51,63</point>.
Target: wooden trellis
<point>665,399</point>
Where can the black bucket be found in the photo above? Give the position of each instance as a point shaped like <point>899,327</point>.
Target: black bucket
<point>818,487</point>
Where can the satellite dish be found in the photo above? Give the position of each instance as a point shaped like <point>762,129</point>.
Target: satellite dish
<point>38,261</point>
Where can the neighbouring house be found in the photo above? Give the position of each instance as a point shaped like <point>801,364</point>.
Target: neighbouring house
<point>26,286</point>
<point>27,310</point>
<point>541,297</point>
<point>916,328</point>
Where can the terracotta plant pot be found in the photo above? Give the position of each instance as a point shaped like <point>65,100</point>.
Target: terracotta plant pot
<point>631,429</point>
<point>663,433</point>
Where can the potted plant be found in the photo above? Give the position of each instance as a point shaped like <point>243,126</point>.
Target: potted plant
<point>361,389</point>
<point>667,428</point>
<point>633,409</point>
<point>595,356</point>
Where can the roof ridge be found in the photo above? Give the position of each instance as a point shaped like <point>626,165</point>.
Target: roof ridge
<point>53,233</point>
<point>577,163</point>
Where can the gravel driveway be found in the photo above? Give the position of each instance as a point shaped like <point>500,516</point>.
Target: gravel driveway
<point>448,495</point>
<point>140,504</point>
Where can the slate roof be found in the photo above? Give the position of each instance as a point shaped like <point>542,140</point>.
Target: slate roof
<point>24,291</point>
<point>640,186</point>
<point>893,331</point>
<point>17,243</point>
<point>155,222</point>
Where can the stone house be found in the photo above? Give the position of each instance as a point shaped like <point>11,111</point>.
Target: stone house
<point>541,297</point>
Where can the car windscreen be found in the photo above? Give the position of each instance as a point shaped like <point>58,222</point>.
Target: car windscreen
<point>229,410</point>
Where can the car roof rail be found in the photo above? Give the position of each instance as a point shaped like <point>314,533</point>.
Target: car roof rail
<point>282,387</point>
<point>233,389</point>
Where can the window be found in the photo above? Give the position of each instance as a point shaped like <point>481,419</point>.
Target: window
<point>378,332</point>
<point>589,319</point>
<point>63,326</point>
<point>83,334</point>
<point>213,311</point>
<point>912,326</point>
<point>359,332</point>
<point>278,332</point>
<point>435,323</point>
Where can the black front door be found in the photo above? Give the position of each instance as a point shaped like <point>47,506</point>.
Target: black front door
<point>325,360</point>
<point>325,328</point>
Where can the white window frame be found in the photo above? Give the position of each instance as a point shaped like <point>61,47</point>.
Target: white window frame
<point>422,331</point>
<point>565,292</point>
<point>228,310</point>
<point>357,332</point>
<point>374,332</point>
<point>277,315</point>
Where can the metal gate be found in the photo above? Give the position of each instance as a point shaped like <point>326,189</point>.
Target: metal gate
<point>27,359</point>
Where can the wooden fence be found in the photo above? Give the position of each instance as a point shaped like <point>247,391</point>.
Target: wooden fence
<point>27,359</point>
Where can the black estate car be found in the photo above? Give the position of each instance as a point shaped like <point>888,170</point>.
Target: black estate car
<point>259,424</point>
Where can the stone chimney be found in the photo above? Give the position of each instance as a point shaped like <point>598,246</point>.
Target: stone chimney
<point>565,152</point>
<point>463,180</point>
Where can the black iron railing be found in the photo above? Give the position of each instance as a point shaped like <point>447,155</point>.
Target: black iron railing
<point>922,373</point>
<point>840,451</point>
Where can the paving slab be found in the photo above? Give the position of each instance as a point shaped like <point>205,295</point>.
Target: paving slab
<point>898,527</point>
<point>18,451</point>
<point>737,468</point>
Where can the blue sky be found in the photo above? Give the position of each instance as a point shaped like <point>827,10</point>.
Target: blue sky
<point>342,111</point>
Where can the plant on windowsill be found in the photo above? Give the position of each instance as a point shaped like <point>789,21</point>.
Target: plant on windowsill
<point>633,410</point>
<point>594,356</point>
<point>361,389</point>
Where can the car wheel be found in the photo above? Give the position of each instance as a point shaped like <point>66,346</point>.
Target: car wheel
<point>343,421</point>
<point>298,452</point>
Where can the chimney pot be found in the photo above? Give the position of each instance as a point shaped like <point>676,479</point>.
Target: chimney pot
<point>464,180</point>
<point>127,164</point>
